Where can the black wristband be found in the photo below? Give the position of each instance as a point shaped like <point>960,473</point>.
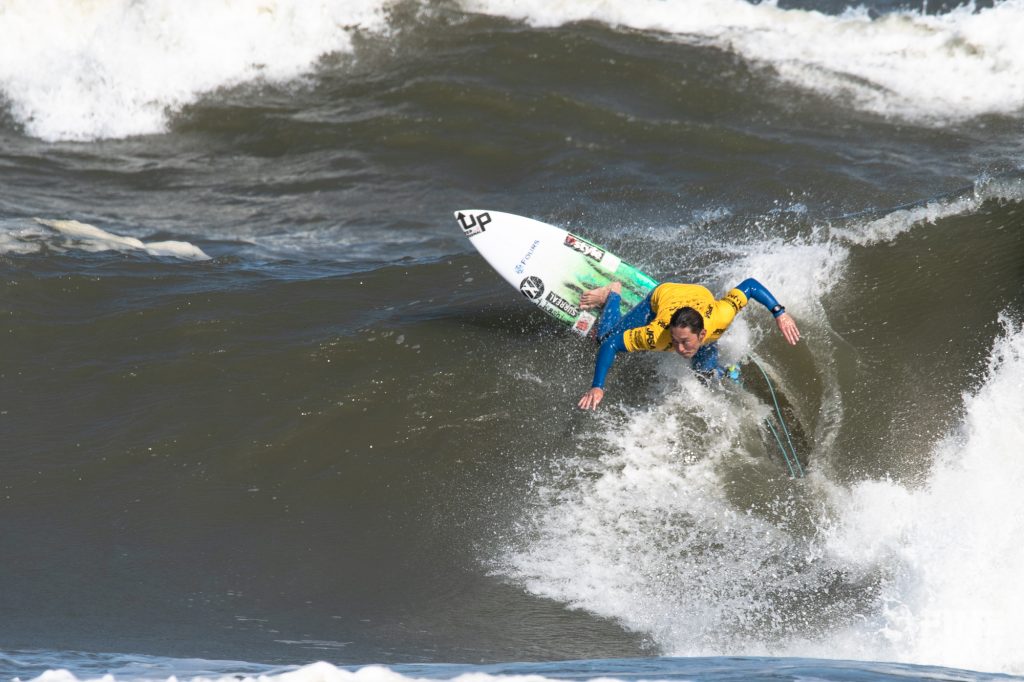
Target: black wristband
<point>778,310</point>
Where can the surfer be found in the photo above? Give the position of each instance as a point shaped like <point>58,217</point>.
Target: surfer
<point>684,318</point>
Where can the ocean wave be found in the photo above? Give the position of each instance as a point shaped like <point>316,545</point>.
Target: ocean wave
<point>644,528</point>
<point>953,542</point>
<point>932,69</point>
<point>887,227</point>
<point>647,534</point>
<point>83,70</point>
<point>77,70</point>
<point>600,670</point>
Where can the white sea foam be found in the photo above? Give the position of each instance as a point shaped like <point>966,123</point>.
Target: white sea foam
<point>894,223</point>
<point>641,529</point>
<point>89,69</point>
<point>316,672</point>
<point>63,235</point>
<point>649,669</point>
<point>800,273</point>
<point>325,672</point>
<point>953,544</point>
<point>19,241</point>
<point>645,532</point>
<point>926,68</point>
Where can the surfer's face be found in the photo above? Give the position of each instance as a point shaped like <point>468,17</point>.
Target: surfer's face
<point>685,342</point>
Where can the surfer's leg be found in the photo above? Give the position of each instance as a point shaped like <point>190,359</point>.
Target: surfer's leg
<point>612,322</point>
<point>610,316</point>
<point>595,298</point>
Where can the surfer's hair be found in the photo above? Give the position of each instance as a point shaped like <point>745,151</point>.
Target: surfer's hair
<point>687,317</point>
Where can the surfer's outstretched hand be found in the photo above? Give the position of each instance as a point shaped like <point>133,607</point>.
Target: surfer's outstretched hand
<point>787,325</point>
<point>591,398</point>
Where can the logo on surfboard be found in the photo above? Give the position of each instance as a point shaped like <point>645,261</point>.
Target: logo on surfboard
<point>521,265</point>
<point>587,249</point>
<point>532,287</point>
<point>557,301</point>
<point>473,224</point>
<point>584,323</point>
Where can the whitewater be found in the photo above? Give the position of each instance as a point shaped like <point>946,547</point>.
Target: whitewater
<point>87,70</point>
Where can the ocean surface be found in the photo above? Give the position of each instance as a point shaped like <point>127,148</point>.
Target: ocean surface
<point>263,405</point>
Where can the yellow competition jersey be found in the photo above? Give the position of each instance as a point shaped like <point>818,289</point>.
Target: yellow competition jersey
<point>668,298</point>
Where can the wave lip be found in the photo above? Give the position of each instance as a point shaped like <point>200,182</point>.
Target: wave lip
<point>930,69</point>
<point>954,543</point>
<point>886,228</point>
<point>83,71</point>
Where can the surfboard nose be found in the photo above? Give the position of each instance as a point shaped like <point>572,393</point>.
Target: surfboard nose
<point>473,222</point>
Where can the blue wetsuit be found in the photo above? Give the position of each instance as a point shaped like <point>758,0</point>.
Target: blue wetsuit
<point>612,328</point>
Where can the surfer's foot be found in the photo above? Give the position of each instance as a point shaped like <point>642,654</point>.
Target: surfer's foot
<point>595,298</point>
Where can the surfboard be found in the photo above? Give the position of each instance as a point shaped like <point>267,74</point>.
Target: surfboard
<point>550,266</point>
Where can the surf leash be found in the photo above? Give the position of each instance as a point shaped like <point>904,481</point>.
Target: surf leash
<point>795,469</point>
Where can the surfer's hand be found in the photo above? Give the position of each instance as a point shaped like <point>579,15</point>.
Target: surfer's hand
<point>591,398</point>
<point>787,325</point>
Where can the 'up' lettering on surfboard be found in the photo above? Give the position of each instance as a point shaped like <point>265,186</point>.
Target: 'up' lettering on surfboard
<point>473,224</point>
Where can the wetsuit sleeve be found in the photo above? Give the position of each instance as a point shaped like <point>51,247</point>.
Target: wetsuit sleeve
<point>605,357</point>
<point>751,288</point>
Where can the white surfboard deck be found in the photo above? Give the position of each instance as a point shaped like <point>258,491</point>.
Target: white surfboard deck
<point>550,266</point>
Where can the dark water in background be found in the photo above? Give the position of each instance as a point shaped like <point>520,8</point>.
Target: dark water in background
<point>343,437</point>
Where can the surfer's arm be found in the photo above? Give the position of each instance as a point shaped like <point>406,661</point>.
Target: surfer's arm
<point>751,288</point>
<point>605,357</point>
